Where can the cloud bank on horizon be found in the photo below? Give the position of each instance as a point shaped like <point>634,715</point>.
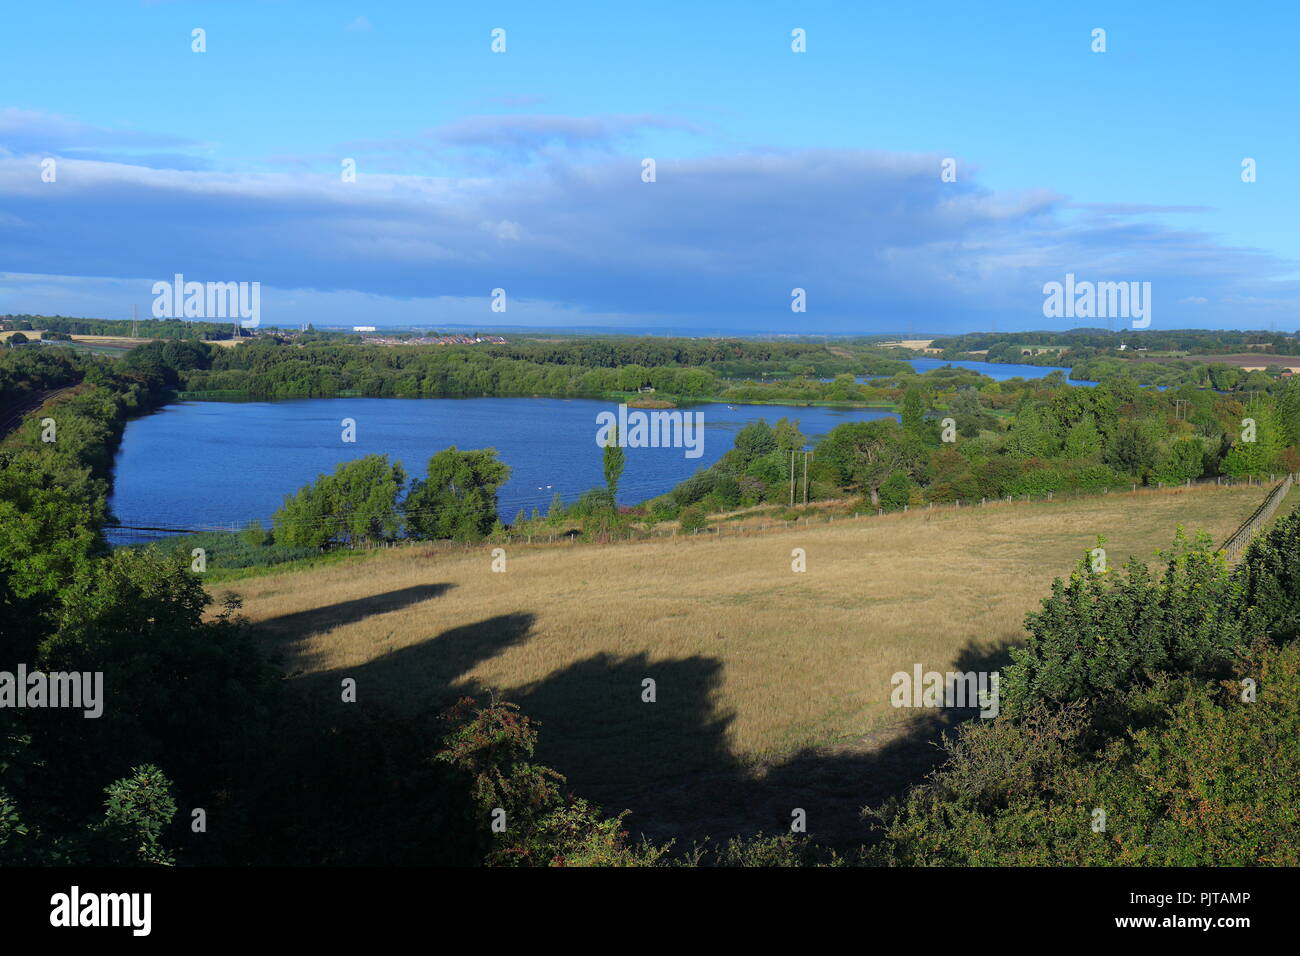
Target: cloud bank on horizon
<point>553,208</point>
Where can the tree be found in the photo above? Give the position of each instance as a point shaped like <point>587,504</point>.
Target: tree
<point>615,458</point>
<point>1102,631</point>
<point>458,497</point>
<point>1132,450</point>
<point>969,413</point>
<point>754,441</point>
<point>1082,440</point>
<point>896,490</point>
<point>1259,444</point>
<point>254,534</point>
<point>358,503</point>
<point>912,409</point>
<point>1288,410</point>
<point>788,437</point>
<point>555,513</point>
<point>1181,461</point>
<point>138,809</point>
<point>862,455</point>
<point>692,519</point>
<point>1030,436</point>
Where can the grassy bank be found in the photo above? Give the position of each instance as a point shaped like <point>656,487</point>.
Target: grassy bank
<point>753,661</point>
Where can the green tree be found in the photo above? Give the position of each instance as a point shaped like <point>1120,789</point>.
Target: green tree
<point>969,413</point>
<point>754,441</point>
<point>255,534</point>
<point>1030,436</point>
<point>692,519</point>
<point>138,809</point>
<point>1288,411</point>
<point>1082,440</point>
<point>1102,631</point>
<point>1184,459</point>
<point>896,490</point>
<point>912,409</point>
<point>861,455</point>
<point>1132,450</point>
<point>1259,444</point>
<point>358,503</point>
<point>458,497</point>
<point>615,458</point>
<point>788,437</point>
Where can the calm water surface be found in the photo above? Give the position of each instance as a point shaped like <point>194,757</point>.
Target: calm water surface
<point>995,370</point>
<point>209,464</point>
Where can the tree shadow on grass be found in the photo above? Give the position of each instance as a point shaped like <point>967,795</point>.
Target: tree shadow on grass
<point>831,785</point>
<point>598,729</point>
<point>430,674</point>
<point>285,638</point>
<point>669,761</point>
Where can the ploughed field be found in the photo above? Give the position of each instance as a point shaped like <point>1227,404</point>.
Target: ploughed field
<point>754,665</point>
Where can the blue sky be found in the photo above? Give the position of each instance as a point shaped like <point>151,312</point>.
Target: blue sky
<point>522,170</point>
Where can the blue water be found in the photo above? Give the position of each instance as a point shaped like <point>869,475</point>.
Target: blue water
<point>207,464</point>
<point>996,370</point>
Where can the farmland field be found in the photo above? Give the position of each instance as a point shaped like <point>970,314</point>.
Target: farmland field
<point>753,662</point>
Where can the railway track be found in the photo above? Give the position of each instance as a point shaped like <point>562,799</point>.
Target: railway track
<point>12,416</point>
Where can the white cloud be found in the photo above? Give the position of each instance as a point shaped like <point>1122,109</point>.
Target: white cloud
<point>875,238</point>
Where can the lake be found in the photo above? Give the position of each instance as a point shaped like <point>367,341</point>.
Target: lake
<point>996,370</point>
<point>202,465</point>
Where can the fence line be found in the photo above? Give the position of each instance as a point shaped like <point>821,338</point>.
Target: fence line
<point>1238,541</point>
<point>723,529</point>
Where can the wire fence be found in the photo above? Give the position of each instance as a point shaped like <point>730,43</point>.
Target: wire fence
<point>741,526</point>
<point>1241,538</point>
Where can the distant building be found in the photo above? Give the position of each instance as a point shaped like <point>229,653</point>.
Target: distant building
<point>363,328</point>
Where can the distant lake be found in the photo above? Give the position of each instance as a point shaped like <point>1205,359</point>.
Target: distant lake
<point>205,464</point>
<point>999,371</point>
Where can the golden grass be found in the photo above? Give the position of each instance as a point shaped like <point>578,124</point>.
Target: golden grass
<point>752,661</point>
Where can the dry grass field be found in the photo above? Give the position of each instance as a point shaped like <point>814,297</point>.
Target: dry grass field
<point>752,661</point>
<point>111,341</point>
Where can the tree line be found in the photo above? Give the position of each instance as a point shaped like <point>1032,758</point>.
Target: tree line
<point>959,441</point>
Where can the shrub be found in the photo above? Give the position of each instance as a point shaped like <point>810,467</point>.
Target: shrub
<point>1187,774</point>
<point>1034,480</point>
<point>692,519</point>
<point>895,491</point>
<point>1100,632</point>
<point>255,535</point>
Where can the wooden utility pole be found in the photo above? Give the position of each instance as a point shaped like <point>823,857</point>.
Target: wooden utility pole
<point>805,477</point>
<point>791,477</point>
